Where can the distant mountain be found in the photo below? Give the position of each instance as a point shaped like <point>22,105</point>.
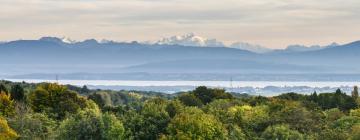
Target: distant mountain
<point>250,47</point>
<point>194,40</point>
<point>197,41</point>
<point>58,40</point>
<point>303,48</point>
<point>56,55</point>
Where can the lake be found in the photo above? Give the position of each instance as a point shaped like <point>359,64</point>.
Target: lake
<point>224,84</point>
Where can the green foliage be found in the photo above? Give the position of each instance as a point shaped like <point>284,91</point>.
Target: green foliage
<point>3,89</point>
<point>296,116</point>
<point>336,100</point>
<point>174,107</point>
<point>333,114</point>
<point>113,128</point>
<point>52,111</point>
<point>56,100</point>
<point>346,122</point>
<point>17,92</point>
<point>195,124</point>
<point>252,119</point>
<point>291,96</point>
<point>90,124</point>
<point>281,132</point>
<point>190,100</point>
<point>235,133</point>
<point>207,95</point>
<point>150,122</point>
<point>34,126</point>
<point>220,109</point>
<point>101,98</point>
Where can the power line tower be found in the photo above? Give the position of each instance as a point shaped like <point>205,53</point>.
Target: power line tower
<point>57,78</point>
<point>231,84</point>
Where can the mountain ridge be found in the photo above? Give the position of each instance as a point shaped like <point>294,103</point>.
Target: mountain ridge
<point>54,55</point>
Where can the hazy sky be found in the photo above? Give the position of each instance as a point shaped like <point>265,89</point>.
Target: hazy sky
<point>271,23</point>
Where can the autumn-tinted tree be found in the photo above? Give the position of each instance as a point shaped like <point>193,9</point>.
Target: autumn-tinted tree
<point>6,133</point>
<point>7,106</point>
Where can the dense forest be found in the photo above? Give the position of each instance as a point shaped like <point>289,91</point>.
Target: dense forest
<point>65,112</point>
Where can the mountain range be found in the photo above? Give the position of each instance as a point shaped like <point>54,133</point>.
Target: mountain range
<point>186,54</point>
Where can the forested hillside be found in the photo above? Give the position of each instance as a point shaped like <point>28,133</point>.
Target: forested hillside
<point>65,112</point>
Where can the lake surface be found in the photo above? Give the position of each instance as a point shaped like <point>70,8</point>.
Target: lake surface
<point>224,84</point>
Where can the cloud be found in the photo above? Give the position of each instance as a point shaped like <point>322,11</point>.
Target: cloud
<point>268,21</point>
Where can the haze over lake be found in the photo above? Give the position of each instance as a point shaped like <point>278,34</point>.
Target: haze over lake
<point>251,87</point>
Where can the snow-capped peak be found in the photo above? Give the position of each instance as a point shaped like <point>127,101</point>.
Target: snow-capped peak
<point>190,40</point>
<point>250,47</point>
<point>58,40</point>
<point>68,40</point>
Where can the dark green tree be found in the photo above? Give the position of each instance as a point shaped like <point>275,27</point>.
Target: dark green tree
<point>3,89</point>
<point>190,100</point>
<point>207,95</point>
<point>355,92</point>
<point>17,92</point>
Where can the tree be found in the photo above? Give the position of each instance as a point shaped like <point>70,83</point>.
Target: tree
<point>207,95</point>
<point>355,112</point>
<point>281,132</point>
<point>113,128</point>
<point>101,98</point>
<point>355,132</point>
<point>333,114</point>
<point>296,116</point>
<point>292,96</point>
<point>174,107</point>
<point>189,100</point>
<point>336,100</point>
<point>195,124</point>
<point>7,106</point>
<point>150,122</point>
<point>56,100</point>
<point>355,92</point>
<point>251,119</point>
<point>34,126</point>
<point>84,90</point>
<point>17,92</point>
<point>3,89</point>
<point>346,122</point>
<point>91,124</point>
<point>6,133</point>
<point>220,109</point>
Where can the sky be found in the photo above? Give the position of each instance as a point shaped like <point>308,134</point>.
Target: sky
<point>271,23</point>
